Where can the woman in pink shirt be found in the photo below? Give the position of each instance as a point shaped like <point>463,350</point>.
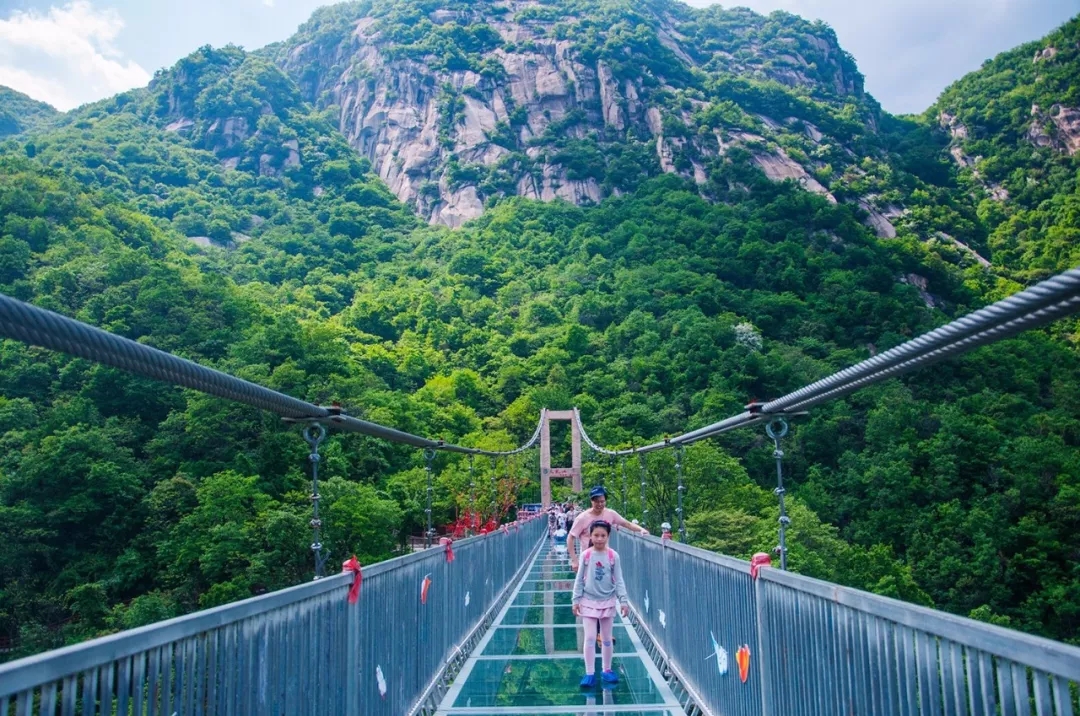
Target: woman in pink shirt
<point>580,529</point>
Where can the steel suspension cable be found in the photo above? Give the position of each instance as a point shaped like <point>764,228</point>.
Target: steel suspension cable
<point>1036,306</point>
<point>37,326</point>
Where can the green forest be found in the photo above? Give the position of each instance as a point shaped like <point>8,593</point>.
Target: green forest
<point>277,254</point>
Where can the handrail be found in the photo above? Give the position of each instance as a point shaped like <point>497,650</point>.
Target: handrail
<point>1034,651</point>
<point>263,638</point>
<point>819,647</point>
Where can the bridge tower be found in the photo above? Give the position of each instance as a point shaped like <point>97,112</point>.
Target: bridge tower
<point>546,470</point>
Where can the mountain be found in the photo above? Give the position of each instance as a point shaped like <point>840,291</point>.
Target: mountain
<point>1014,129</point>
<point>458,103</point>
<point>18,113</point>
<point>724,215</point>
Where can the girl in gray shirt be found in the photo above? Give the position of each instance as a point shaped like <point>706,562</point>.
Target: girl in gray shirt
<point>598,587</point>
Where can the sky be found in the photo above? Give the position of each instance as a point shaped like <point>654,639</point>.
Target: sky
<point>75,51</point>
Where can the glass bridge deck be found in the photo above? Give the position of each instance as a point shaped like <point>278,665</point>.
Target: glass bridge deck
<point>530,661</point>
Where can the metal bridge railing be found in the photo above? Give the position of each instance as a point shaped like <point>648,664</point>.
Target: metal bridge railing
<point>302,650</point>
<point>818,648</point>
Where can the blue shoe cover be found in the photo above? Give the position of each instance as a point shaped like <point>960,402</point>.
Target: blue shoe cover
<point>609,677</point>
<point>588,681</point>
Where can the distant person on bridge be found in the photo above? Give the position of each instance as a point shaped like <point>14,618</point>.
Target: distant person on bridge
<point>598,587</point>
<point>580,529</point>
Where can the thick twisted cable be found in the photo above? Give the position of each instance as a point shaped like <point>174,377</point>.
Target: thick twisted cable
<point>1046,301</point>
<point>739,421</point>
<point>1044,294</point>
<point>997,333</point>
<point>37,326</point>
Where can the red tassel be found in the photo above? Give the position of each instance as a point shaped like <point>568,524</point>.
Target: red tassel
<point>759,560</point>
<point>353,565</point>
<point>448,544</point>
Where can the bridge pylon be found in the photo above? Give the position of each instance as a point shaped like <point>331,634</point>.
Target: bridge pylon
<point>547,472</point>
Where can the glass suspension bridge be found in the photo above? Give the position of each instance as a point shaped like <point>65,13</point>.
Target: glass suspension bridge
<point>483,625</point>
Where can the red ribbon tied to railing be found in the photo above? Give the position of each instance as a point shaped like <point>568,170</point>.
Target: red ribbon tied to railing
<point>448,543</point>
<point>759,560</point>
<point>353,565</point>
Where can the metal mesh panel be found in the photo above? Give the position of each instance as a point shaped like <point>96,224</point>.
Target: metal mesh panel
<point>302,650</point>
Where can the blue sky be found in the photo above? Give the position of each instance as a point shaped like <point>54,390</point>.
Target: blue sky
<point>75,51</point>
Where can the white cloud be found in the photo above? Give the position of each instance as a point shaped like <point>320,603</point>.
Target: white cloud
<point>67,56</point>
<point>268,3</point>
<point>910,50</point>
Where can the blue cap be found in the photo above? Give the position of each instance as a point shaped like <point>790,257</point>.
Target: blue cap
<point>597,492</point>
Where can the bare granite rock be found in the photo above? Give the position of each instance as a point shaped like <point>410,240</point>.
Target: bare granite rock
<point>1067,122</point>
<point>780,167</point>
<point>410,116</point>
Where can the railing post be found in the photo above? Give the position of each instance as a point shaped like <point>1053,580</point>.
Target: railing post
<point>352,659</point>
<point>763,636</point>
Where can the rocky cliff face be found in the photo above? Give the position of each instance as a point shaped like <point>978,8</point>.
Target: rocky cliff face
<point>455,103</point>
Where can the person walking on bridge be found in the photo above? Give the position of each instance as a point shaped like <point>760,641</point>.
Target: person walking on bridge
<point>579,532</point>
<point>598,589</point>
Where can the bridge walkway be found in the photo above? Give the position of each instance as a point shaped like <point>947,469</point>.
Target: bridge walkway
<point>530,662</point>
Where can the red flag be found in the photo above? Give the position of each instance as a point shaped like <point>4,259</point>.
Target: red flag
<point>353,565</point>
<point>448,544</point>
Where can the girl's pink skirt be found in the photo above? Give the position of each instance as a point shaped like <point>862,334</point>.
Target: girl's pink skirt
<point>598,609</point>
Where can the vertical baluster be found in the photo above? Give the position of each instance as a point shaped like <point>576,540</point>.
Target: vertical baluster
<point>138,683</point>
<point>1062,697</point>
<point>865,659</point>
<point>153,690</point>
<point>90,687</point>
<point>986,681</point>
<point>909,679</point>
<point>959,695</point>
<point>822,645</point>
<point>24,703</point>
<point>891,645</point>
<point>226,669</point>
<point>1020,686</point>
<point>213,672</point>
<point>292,664</point>
<point>190,674</point>
<point>1005,688</point>
<point>48,700</point>
<point>107,689</point>
<point>69,696</point>
<point>201,674</point>
<point>123,686</point>
<point>875,663</point>
<point>927,653</point>
<point>1043,702</point>
<point>948,677</point>
<point>167,664</point>
<point>180,676</point>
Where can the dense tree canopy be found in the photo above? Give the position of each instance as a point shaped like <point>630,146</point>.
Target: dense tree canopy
<point>270,250</point>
